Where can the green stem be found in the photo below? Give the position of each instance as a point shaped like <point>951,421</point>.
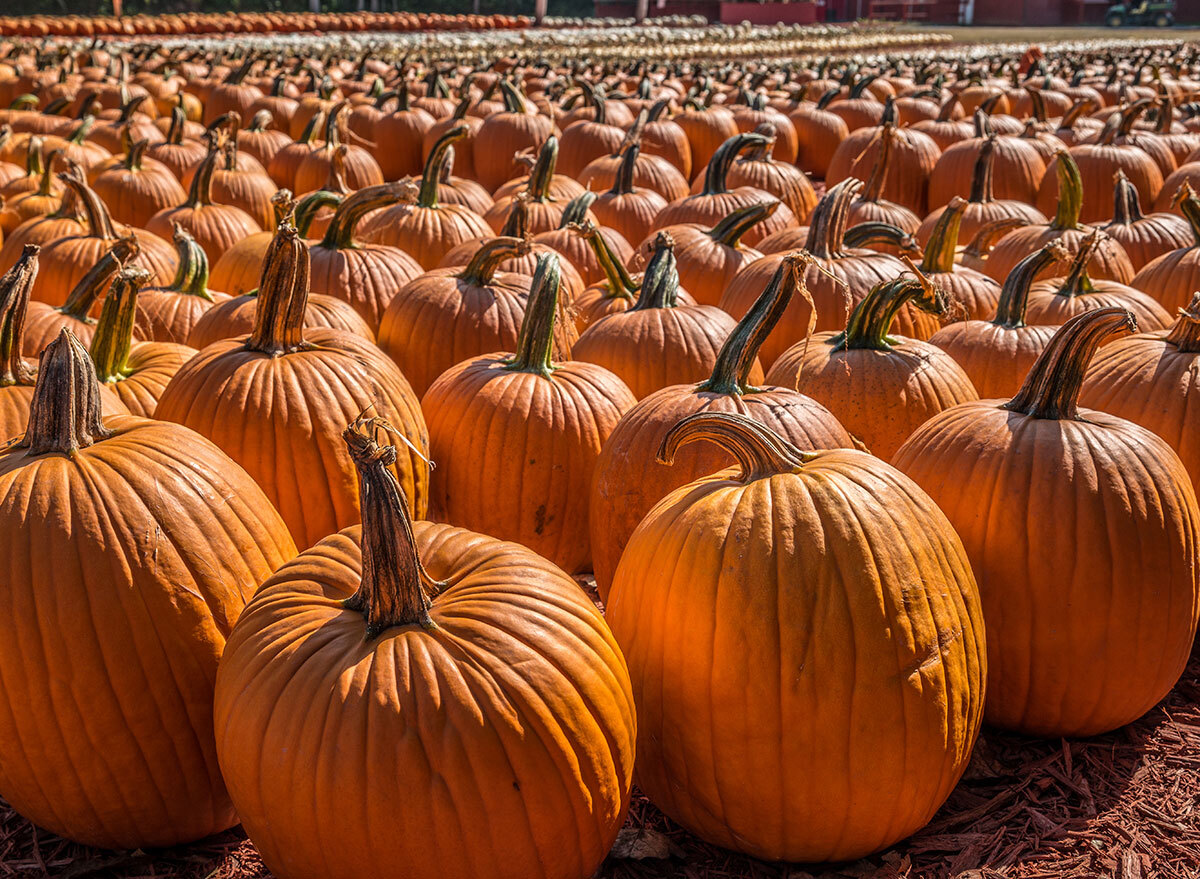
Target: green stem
<point>191,277</point>
<point>873,192</point>
<point>200,190</point>
<point>1051,389</point>
<point>340,233</point>
<point>1070,193</point>
<point>1126,210</point>
<point>827,226</point>
<point>943,241</point>
<point>729,231</point>
<point>623,181</point>
<point>481,270</point>
<point>722,161</point>
<point>660,281</point>
<point>731,373</point>
<point>535,342</point>
<point>1014,295</point>
<point>620,285</point>
<point>872,318</point>
<point>981,176</point>
<point>309,206</point>
<point>577,209</point>
<point>1189,205</point>
<point>1077,282</point>
<point>114,330</point>
<point>428,197</point>
<point>542,173</point>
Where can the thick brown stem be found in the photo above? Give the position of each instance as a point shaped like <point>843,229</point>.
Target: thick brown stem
<point>64,415</point>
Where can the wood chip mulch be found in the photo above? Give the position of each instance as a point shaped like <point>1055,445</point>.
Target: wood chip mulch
<point>1120,806</point>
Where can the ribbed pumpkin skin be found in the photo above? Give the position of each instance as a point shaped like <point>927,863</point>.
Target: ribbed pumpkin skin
<point>513,718</point>
<point>235,317</point>
<point>282,419</point>
<point>791,704</point>
<point>1018,171</point>
<point>537,441</point>
<point>1149,381</point>
<point>66,260</point>
<point>142,550</point>
<point>166,316</point>
<point>367,276</point>
<point>629,481</point>
<point>880,396</point>
<point>1109,260</point>
<point>151,366</point>
<point>1091,610</point>
<point>995,358</point>
<point>1048,308</point>
<point>1172,278</point>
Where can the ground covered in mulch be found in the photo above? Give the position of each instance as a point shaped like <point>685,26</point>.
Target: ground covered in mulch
<point>1120,806</point>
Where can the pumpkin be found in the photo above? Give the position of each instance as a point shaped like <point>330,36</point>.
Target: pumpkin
<point>574,248</point>
<point>789,556</point>
<point>752,111</point>
<point>521,641</point>
<point>367,276</point>
<point>706,129</point>
<point>837,277</point>
<point>870,206</point>
<point>399,136</point>
<point>629,210</point>
<point>286,162</point>
<point>425,229</point>
<point>1109,259</point>
<point>138,188</point>
<point>231,318</point>
<point>758,168</point>
<point>948,127</point>
<point>544,207</point>
<point>588,139</point>
<point>360,168</point>
<point>506,134</point>
<point>663,136</point>
<point>216,227</point>
<point>238,269</point>
<point>1055,301</point>
<point>902,158</point>
<point>1143,237</point>
<point>657,341</point>
<point>251,396</point>
<point>1172,278</point>
<point>982,208</point>
<point>260,140</point>
<point>715,201</point>
<point>552,417</point>
<point>130,123</point>
<point>628,480</point>
<point>997,354</point>
<point>27,204</point>
<point>17,375</point>
<point>464,149</point>
<point>1126,500</point>
<point>167,314</point>
<point>818,133</point>
<point>233,94</point>
<point>616,291</point>
<point>708,259</point>
<point>1018,167</point>
<point>1148,378</point>
<point>859,107</point>
<point>882,387</point>
<point>135,642</point>
<point>238,180</point>
<point>175,152</point>
<point>971,293</point>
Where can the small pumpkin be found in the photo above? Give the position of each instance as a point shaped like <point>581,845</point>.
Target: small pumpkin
<point>1144,237</point>
<point>167,314</point>
<point>972,293</point>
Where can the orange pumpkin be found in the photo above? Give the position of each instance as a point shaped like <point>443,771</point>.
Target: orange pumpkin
<point>972,293</point>
<point>759,169</point>
<point>1143,237</point>
<point>1172,278</point>
<point>137,641</point>
<point>417,606</point>
<point>167,314</point>
<point>138,188</point>
<point>1126,500</point>
<point>630,210</point>
<point>552,417</point>
<point>881,387</point>
<point>628,480</point>
<point>506,134</point>
<point>791,556</point>
<point>251,396</point>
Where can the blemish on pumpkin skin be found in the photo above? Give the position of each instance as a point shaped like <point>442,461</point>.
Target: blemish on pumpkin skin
<point>539,516</point>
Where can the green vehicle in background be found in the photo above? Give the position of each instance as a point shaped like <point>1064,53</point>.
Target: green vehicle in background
<point>1143,13</point>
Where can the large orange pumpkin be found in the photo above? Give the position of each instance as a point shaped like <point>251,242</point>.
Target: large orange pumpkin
<point>629,481</point>
<point>1172,278</point>
<point>806,648</point>
<point>503,135</point>
<point>253,396</point>
<point>377,630</point>
<point>142,541</point>
<point>552,417</point>
<point>1082,529</point>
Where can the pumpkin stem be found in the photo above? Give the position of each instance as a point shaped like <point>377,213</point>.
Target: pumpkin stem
<point>1014,295</point>
<point>200,190</point>
<point>516,224</point>
<point>542,172</point>
<point>981,176</point>
<point>1070,193</point>
<point>482,268</point>
<point>1126,210</point>
<point>873,192</point>
<point>827,227</point>
<point>535,341</point>
<point>395,589</point>
<point>1189,205</point>
<point>660,281</point>
<point>340,233</point>
<point>64,414</point>
<point>1051,390</point>
<point>428,196</point>
<point>623,181</point>
<point>759,451</point>
<point>1077,282</point>
<point>15,288</point>
<point>731,372</point>
<point>577,209</point>
<point>87,292</point>
<point>282,295</point>
<point>175,131</point>
<point>191,277</point>
<point>1185,332</point>
<point>722,161</point>
<point>1072,115</point>
<point>308,208</point>
<point>990,233</point>
<point>99,221</point>
<point>114,330</point>
<point>617,280</point>
<point>943,241</point>
<point>868,234</point>
<point>872,318</point>
<point>730,230</point>
<point>513,102</point>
